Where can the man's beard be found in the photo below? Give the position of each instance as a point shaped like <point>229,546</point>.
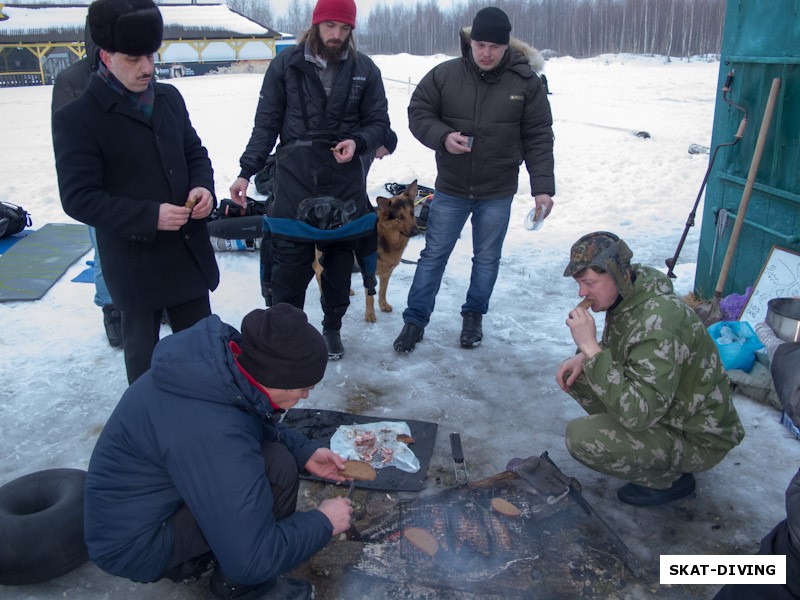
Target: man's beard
<point>332,52</point>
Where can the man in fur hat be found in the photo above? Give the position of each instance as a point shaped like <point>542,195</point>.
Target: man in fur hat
<point>326,102</point>
<point>131,165</point>
<point>484,114</point>
<point>194,466</point>
<point>657,395</point>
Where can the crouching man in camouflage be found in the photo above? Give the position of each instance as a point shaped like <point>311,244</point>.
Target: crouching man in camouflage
<point>658,399</point>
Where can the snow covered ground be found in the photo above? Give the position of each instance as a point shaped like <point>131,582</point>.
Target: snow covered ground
<point>59,380</point>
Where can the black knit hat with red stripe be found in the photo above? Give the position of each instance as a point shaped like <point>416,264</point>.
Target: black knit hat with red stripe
<point>281,349</point>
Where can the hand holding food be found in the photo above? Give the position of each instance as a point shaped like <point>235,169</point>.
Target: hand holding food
<point>358,470</point>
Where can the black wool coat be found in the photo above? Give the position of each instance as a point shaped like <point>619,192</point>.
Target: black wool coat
<point>115,167</point>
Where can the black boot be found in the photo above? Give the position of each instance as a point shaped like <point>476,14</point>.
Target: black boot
<point>638,495</point>
<point>471,331</point>
<point>333,340</point>
<point>408,338</point>
<point>192,569</point>
<point>112,320</point>
<point>266,292</point>
<point>280,588</point>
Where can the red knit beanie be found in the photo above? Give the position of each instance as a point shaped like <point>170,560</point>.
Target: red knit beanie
<point>343,11</point>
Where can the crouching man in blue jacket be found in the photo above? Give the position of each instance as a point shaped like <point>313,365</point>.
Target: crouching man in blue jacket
<point>193,465</point>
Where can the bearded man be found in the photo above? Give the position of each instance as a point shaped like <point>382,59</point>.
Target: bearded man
<point>327,103</point>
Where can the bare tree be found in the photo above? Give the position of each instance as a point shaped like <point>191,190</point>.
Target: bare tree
<point>579,28</point>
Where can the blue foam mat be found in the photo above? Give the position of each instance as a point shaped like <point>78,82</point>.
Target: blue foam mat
<point>33,264</point>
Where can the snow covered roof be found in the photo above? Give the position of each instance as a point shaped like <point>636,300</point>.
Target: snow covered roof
<point>58,23</point>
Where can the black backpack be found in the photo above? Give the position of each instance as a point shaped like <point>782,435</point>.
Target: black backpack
<point>13,219</point>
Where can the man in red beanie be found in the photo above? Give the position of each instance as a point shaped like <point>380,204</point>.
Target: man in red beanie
<point>194,468</point>
<point>327,103</point>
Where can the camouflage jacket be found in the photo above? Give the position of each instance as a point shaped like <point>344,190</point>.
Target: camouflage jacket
<point>660,366</point>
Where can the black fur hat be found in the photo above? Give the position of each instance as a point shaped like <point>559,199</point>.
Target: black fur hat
<point>132,27</point>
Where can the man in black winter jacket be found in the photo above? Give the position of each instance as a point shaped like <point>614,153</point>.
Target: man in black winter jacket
<point>327,104</point>
<point>131,165</point>
<point>484,114</point>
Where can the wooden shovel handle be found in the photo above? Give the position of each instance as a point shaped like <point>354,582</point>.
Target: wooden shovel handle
<point>751,179</point>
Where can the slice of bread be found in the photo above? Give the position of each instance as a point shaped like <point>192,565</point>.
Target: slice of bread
<point>358,470</point>
<point>422,540</point>
<point>505,508</point>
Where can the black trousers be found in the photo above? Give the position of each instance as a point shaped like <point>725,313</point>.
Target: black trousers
<point>292,271</point>
<point>140,331</point>
<point>188,541</point>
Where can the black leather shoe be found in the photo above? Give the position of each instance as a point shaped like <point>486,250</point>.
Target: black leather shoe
<point>471,330</point>
<point>408,338</point>
<point>112,321</point>
<point>333,340</point>
<point>280,588</point>
<point>638,495</point>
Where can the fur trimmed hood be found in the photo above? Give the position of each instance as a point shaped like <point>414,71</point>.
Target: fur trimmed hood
<point>535,58</point>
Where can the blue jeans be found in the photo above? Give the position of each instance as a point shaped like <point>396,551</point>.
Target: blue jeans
<point>445,221</point>
<point>101,295</point>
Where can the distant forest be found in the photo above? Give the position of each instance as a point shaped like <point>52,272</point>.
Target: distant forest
<point>579,28</point>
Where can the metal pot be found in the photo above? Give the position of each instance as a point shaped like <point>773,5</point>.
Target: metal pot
<point>783,316</point>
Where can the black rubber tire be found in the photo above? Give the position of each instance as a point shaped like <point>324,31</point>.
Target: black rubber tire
<point>41,526</point>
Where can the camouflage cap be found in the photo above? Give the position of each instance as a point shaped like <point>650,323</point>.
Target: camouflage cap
<point>606,251</point>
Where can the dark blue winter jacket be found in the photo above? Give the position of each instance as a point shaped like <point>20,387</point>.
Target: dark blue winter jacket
<point>190,430</point>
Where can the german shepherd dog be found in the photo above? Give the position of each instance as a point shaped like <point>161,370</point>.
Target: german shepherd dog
<point>396,225</point>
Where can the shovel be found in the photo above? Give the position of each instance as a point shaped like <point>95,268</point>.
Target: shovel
<point>710,313</point>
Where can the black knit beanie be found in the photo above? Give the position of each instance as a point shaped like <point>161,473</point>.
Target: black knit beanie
<point>133,27</point>
<point>491,25</point>
<point>281,349</point>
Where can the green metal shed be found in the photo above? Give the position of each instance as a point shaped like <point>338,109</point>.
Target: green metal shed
<point>761,42</point>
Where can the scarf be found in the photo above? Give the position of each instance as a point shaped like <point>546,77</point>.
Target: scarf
<point>142,101</point>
